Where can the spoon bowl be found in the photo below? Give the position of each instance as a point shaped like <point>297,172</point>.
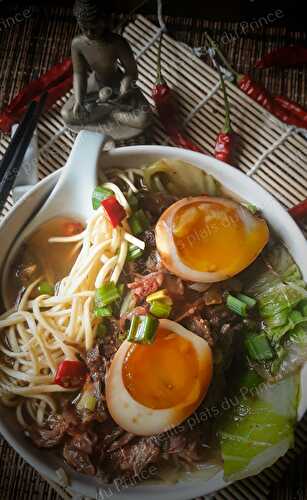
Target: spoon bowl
<point>65,200</point>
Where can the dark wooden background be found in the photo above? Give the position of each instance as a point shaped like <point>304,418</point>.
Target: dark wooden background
<point>247,10</point>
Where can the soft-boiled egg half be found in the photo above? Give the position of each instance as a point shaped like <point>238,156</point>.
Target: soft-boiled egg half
<point>207,239</point>
<point>152,388</point>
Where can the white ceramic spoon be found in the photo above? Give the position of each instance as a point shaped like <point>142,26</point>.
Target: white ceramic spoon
<point>71,197</point>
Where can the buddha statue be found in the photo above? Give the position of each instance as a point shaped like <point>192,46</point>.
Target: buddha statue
<point>106,97</point>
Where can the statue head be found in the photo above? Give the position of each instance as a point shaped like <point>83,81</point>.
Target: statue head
<point>91,18</point>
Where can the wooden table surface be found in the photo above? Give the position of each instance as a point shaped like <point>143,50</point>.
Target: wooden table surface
<point>38,41</point>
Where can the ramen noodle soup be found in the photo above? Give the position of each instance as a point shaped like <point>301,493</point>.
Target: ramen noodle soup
<point>168,330</point>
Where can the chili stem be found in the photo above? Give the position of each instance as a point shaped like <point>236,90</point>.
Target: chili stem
<point>228,127</point>
<point>160,79</point>
<point>215,46</point>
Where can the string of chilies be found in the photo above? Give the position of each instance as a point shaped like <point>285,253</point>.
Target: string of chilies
<point>283,108</point>
<point>167,109</point>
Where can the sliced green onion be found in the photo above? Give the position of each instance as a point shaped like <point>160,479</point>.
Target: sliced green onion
<point>101,330</point>
<point>236,305</point>
<point>103,312</point>
<point>296,316</point>
<point>133,201</point>
<point>99,194</point>
<point>106,294</point>
<point>160,295</point>
<point>249,301</point>
<point>45,288</point>
<point>259,348</point>
<point>138,222</point>
<point>135,322</point>
<point>252,208</point>
<point>134,253</point>
<point>87,402</point>
<point>143,329</point>
<point>160,309</point>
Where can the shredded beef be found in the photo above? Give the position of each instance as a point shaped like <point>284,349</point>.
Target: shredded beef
<point>184,447</point>
<point>53,432</point>
<point>123,440</point>
<point>50,435</point>
<point>200,326</point>
<point>78,459</point>
<point>131,459</point>
<point>84,442</point>
<point>155,202</point>
<point>174,286</point>
<point>146,285</point>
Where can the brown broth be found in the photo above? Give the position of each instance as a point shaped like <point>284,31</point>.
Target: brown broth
<point>39,258</point>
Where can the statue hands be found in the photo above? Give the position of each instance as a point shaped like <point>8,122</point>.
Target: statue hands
<point>127,84</point>
<point>79,111</point>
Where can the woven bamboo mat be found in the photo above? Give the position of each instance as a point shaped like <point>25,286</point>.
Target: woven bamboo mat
<point>282,172</point>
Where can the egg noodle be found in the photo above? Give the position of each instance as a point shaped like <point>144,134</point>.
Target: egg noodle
<point>40,333</point>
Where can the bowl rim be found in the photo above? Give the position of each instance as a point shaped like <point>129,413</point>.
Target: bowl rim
<point>237,181</point>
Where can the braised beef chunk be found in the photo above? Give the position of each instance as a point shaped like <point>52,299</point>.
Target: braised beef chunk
<point>144,286</point>
<point>96,364</point>
<point>121,441</point>
<point>155,203</point>
<point>200,326</point>
<point>84,442</point>
<point>50,435</point>
<point>131,459</point>
<point>78,459</point>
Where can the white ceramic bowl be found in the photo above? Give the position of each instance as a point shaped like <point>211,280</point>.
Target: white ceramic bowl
<point>46,462</point>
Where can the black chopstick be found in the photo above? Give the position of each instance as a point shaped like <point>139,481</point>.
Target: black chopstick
<point>12,161</point>
<point>16,139</point>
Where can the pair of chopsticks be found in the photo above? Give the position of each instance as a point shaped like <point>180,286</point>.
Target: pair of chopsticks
<point>13,158</point>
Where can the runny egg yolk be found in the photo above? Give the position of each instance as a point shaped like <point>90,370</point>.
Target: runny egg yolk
<point>161,375</point>
<point>210,237</point>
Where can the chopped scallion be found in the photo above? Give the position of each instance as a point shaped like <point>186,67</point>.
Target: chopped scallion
<point>160,295</point>
<point>87,402</point>
<point>252,208</point>
<point>135,322</point>
<point>134,253</point>
<point>133,201</point>
<point>103,312</point>
<point>138,222</point>
<point>143,329</point>
<point>259,348</point>
<point>236,305</point>
<point>99,194</point>
<point>45,288</point>
<point>160,309</point>
<point>106,294</point>
<point>247,300</point>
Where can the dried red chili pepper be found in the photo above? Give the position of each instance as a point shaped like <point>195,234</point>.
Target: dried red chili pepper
<point>291,106</point>
<point>57,80</point>
<point>226,140</point>
<point>260,94</point>
<point>255,91</point>
<point>167,110</point>
<point>293,55</point>
<point>299,212</point>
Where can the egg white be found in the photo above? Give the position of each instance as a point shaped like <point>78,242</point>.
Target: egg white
<point>138,419</point>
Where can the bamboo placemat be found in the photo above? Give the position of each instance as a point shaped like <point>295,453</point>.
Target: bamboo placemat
<point>282,172</point>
